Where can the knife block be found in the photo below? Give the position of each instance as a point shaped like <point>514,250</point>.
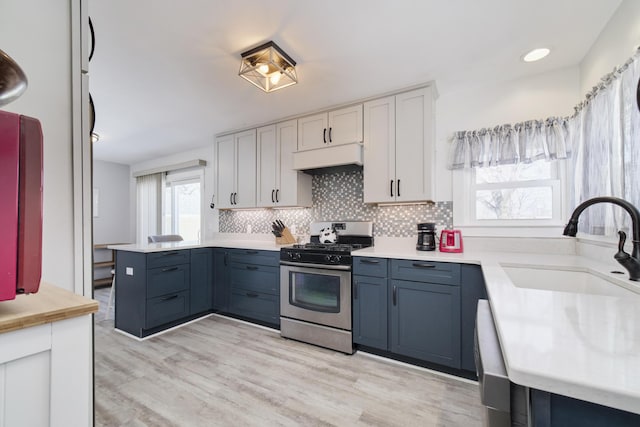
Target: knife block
<point>286,239</point>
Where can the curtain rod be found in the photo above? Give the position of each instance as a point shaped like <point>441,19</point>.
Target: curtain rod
<point>169,168</point>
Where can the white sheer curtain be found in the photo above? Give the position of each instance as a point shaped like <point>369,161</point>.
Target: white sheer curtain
<point>606,134</point>
<point>149,205</point>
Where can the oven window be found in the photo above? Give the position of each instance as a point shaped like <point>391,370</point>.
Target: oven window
<point>316,292</point>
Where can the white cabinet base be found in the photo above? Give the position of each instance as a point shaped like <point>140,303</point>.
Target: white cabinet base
<point>46,375</point>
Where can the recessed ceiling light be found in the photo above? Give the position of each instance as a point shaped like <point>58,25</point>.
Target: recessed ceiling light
<point>536,54</point>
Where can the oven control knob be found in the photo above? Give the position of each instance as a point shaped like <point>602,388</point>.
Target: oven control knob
<point>298,256</point>
<point>333,259</point>
<point>336,258</point>
<point>327,258</point>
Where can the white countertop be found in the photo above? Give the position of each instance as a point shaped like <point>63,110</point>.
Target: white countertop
<point>579,345</point>
<point>223,242</point>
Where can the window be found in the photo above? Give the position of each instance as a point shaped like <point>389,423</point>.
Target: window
<point>522,194</point>
<point>182,203</point>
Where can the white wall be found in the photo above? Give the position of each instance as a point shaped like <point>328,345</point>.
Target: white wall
<point>37,34</point>
<point>478,105</point>
<point>616,43</point>
<point>210,216</point>
<point>112,224</point>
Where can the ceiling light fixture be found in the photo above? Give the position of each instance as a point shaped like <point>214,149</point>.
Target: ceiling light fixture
<point>268,67</point>
<point>536,54</point>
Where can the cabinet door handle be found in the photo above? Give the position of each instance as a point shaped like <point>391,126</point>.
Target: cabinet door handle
<point>330,135</point>
<point>355,289</point>
<point>391,187</point>
<point>272,193</point>
<point>252,294</point>
<point>277,199</point>
<point>235,198</point>
<point>169,298</point>
<point>251,267</point>
<point>398,188</point>
<point>170,253</point>
<point>421,265</point>
<point>230,198</point>
<point>226,257</point>
<point>251,252</point>
<point>369,261</point>
<point>324,135</point>
<point>394,294</point>
<point>164,270</point>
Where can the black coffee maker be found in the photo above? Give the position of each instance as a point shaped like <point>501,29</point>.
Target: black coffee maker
<point>426,236</point>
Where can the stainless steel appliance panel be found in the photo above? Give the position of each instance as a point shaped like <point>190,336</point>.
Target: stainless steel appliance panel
<point>317,295</point>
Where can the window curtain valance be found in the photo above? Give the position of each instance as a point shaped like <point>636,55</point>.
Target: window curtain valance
<point>509,144</point>
<point>550,139</point>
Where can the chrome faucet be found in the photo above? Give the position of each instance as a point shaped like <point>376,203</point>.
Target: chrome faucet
<point>630,262</point>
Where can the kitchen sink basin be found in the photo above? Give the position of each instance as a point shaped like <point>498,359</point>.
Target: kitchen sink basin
<point>579,282</point>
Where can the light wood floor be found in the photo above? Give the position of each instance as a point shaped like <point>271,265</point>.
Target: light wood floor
<point>219,372</point>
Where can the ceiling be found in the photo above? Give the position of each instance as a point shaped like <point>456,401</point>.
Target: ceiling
<point>164,76</point>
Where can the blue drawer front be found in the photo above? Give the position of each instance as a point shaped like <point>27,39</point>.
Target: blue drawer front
<point>256,306</point>
<point>163,259</point>
<point>445,273</point>
<point>250,256</point>
<point>167,308</point>
<point>365,266</point>
<point>258,278</point>
<point>166,280</point>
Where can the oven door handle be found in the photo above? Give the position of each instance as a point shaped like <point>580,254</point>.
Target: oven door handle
<point>317,266</point>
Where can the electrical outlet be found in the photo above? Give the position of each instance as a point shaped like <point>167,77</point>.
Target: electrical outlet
<point>292,229</point>
<point>129,271</point>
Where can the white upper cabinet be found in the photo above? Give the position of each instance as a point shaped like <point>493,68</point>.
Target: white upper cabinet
<point>399,148</point>
<point>236,170</point>
<point>341,126</point>
<point>278,184</point>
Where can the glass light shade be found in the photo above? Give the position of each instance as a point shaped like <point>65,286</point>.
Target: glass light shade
<point>268,67</point>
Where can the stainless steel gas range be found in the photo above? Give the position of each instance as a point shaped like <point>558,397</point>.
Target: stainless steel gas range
<point>315,284</point>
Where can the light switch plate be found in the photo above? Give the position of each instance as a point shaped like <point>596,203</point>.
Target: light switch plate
<point>129,271</point>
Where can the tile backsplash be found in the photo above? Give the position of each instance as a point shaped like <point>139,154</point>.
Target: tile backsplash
<point>338,196</point>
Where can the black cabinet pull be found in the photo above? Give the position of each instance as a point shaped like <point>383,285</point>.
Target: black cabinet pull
<point>170,253</point>
<point>420,265</point>
<point>398,188</point>
<point>324,135</point>
<point>164,270</point>
<point>330,135</point>
<point>169,298</point>
<point>230,198</point>
<point>235,200</point>
<point>226,257</point>
<point>277,199</point>
<point>391,191</point>
<point>369,261</point>
<point>272,193</point>
<point>251,252</point>
<point>394,294</point>
<point>251,267</point>
<point>252,294</point>
<point>355,289</point>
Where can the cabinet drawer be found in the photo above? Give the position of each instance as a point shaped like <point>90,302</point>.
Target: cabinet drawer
<point>446,273</point>
<point>376,267</point>
<point>250,256</point>
<point>163,259</point>
<point>257,278</point>
<point>255,305</point>
<point>167,308</point>
<point>166,280</point>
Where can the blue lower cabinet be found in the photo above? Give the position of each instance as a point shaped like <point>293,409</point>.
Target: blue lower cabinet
<point>200,298</point>
<point>472,289</point>
<point>167,308</point>
<point>256,306</point>
<point>425,321</point>
<point>370,315</point>
<point>221,282</point>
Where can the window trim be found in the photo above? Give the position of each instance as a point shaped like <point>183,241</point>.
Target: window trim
<point>464,203</point>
